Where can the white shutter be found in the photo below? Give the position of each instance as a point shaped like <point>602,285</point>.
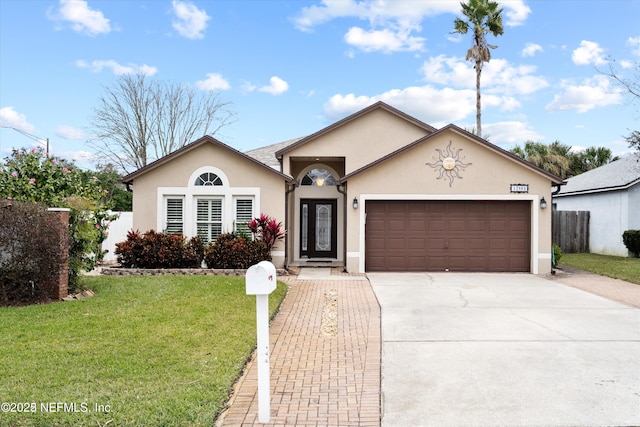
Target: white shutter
<point>209,219</point>
<point>175,215</point>
<point>244,215</point>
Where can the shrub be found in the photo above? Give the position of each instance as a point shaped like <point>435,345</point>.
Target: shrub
<point>31,175</point>
<point>158,250</point>
<point>267,229</point>
<point>233,251</point>
<point>631,239</point>
<point>557,254</point>
<point>31,252</point>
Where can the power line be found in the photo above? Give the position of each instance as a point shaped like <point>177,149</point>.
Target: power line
<point>33,137</point>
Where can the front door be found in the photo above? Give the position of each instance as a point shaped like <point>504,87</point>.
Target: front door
<point>318,228</point>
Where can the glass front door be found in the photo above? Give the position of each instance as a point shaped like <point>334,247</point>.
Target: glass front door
<point>318,228</point>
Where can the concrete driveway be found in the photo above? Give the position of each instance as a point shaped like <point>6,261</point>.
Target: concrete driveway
<point>504,349</point>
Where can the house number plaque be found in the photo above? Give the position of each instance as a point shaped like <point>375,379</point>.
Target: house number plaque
<point>519,188</point>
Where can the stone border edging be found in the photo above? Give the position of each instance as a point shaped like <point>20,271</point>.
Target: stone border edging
<point>120,271</point>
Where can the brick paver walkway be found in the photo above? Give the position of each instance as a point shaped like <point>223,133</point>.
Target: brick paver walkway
<point>320,375</point>
<point>613,289</point>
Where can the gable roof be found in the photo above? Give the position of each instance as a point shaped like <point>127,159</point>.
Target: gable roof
<point>618,175</point>
<point>378,105</point>
<point>207,139</point>
<point>554,179</point>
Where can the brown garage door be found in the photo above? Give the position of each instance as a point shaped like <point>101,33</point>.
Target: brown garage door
<point>447,236</point>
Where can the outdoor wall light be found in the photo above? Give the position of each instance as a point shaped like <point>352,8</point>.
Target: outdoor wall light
<point>355,203</point>
<point>543,203</point>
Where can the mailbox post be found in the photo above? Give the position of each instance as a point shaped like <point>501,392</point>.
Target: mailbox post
<point>261,281</point>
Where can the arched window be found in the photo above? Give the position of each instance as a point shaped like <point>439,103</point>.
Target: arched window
<point>208,178</point>
<point>319,178</point>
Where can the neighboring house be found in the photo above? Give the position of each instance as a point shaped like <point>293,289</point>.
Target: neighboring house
<point>376,191</point>
<point>611,193</point>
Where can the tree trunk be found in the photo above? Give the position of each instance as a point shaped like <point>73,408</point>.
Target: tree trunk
<point>478,106</point>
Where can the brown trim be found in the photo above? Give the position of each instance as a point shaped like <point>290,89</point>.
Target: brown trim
<point>377,105</point>
<point>555,179</point>
<point>205,139</point>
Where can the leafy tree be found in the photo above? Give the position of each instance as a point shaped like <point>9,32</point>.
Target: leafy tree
<point>32,176</point>
<point>116,197</point>
<point>483,16</point>
<point>590,158</point>
<point>140,120</point>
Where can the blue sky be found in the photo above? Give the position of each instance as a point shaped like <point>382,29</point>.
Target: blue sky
<point>290,68</point>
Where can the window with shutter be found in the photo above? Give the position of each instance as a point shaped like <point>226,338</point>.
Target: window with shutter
<point>244,215</point>
<point>209,219</point>
<point>175,215</point>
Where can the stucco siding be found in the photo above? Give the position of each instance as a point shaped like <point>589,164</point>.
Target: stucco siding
<point>487,177</point>
<point>241,179</point>
<point>361,141</point>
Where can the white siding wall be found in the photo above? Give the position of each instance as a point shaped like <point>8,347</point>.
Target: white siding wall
<point>609,218</point>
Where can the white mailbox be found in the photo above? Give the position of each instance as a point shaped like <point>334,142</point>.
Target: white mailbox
<point>260,281</point>
<point>261,278</point>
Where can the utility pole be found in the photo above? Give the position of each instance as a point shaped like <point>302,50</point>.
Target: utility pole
<point>28,135</point>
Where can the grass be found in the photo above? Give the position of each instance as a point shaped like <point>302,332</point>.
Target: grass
<point>627,269</point>
<point>151,350</point>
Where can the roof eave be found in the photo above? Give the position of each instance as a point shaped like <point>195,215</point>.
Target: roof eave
<point>556,180</point>
<point>279,154</point>
<point>600,190</point>
<point>205,139</point>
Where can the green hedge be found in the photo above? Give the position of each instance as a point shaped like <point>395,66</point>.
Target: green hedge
<point>631,239</point>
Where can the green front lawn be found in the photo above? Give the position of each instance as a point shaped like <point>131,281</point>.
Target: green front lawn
<point>145,351</point>
<point>627,269</point>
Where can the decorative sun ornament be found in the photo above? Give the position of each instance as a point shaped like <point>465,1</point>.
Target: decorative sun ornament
<point>449,163</point>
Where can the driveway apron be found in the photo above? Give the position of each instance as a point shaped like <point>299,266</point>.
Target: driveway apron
<point>504,349</point>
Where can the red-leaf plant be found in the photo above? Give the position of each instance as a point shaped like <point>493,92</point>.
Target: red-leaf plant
<point>267,229</point>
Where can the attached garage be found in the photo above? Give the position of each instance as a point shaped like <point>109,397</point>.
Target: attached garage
<point>448,235</point>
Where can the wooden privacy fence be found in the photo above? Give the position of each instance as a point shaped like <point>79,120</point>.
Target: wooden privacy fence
<point>571,231</point>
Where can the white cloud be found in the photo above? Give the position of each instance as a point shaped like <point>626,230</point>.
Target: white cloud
<point>509,132</point>
<point>515,12</point>
<point>530,49</point>
<point>81,18</point>
<point>626,64</point>
<point>277,86</point>
<point>437,107</point>
<point>392,23</point>
<point>117,69</point>
<point>634,42</point>
<point>214,81</point>
<point>384,40</point>
<point>191,21</point>
<point>69,132</point>
<point>434,106</point>
<point>588,53</point>
<point>593,93</point>
<point>10,118</point>
<point>498,75</point>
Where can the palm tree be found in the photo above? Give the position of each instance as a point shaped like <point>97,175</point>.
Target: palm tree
<point>484,16</point>
<point>544,157</point>
<point>591,158</point>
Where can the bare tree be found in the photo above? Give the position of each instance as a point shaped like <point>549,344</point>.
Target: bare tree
<point>631,85</point>
<point>140,120</point>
